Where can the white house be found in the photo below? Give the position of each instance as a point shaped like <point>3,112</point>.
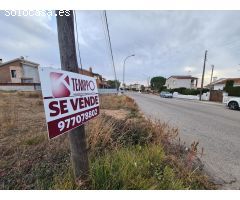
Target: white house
<point>220,83</point>
<point>134,87</point>
<point>181,81</point>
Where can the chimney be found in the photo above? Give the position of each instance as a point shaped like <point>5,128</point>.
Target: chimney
<point>1,61</point>
<point>90,69</point>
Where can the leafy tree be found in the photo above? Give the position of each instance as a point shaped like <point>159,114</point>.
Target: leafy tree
<point>231,90</point>
<point>228,85</point>
<point>157,83</point>
<point>112,83</point>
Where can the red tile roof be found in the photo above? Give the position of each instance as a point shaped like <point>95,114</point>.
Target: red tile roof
<point>183,77</point>
<point>236,80</point>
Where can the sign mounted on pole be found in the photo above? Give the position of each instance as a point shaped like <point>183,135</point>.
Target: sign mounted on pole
<point>70,99</point>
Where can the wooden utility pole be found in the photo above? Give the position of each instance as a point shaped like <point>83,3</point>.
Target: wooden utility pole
<point>211,74</point>
<point>77,139</point>
<point>203,73</point>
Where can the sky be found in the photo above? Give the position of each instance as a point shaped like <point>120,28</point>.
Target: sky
<point>165,43</point>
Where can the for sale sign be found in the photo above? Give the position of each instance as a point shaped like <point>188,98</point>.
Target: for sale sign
<point>70,99</point>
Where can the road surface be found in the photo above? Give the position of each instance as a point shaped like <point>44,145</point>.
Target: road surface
<point>215,127</point>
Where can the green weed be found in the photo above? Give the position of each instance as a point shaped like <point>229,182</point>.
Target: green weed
<point>133,168</point>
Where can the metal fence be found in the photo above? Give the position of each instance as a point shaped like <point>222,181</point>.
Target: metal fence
<point>107,91</point>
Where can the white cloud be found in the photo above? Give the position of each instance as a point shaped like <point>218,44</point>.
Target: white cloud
<point>165,42</point>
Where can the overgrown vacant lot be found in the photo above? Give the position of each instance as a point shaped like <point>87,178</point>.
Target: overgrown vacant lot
<point>126,151</point>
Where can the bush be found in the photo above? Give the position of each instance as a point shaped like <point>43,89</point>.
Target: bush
<point>107,133</point>
<point>186,91</point>
<point>234,91</point>
<point>231,90</point>
<point>191,92</point>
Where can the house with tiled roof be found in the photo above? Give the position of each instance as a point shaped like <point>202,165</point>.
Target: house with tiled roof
<point>181,81</point>
<point>19,70</point>
<point>220,83</point>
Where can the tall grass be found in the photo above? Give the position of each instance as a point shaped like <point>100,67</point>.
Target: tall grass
<point>129,153</point>
<point>117,102</point>
<point>30,94</point>
<point>114,146</point>
<point>133,168</point>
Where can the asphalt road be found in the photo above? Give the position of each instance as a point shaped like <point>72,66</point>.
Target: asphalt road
<point>215,127</point>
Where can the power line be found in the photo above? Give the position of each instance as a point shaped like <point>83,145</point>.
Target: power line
<point>79,54</point>
<point>105,36</point>
<point>110,46</point>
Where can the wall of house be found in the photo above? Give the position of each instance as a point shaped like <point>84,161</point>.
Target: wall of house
<point>218,87</point>
<point>19,87</point>
<point>31,72</point>
<point>172,83</point>
<point>5,74</point>
<point>85,72</point>
<point>18,74</point>
<point>221,86</point>
<point>91,74</point>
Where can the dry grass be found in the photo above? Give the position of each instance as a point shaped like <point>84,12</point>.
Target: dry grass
<point>30,94</point>
<point>115,102</point>
<point>30,161</point>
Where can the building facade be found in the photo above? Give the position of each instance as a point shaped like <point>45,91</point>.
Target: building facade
<point>101,82</point>
<point>181,81</point>
<point>220,84</point>
<point>19,70</point>
<point>134,87</point>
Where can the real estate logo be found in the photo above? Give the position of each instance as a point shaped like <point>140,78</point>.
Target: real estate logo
<point>60,85</point>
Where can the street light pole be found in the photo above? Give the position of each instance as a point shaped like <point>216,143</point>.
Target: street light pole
<point>124,69</point>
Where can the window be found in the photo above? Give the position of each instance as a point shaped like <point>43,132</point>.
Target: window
<point>13,73</point>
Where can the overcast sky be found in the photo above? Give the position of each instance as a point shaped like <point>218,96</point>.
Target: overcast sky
<point>165,43</point>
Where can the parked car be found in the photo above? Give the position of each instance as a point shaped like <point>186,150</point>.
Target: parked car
<point>234,103</point>
<point>166,94</point>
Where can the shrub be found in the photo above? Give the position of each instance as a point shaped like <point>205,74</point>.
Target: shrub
<point>234,91</point>
<point>186,91</point>
<point>107,133</point>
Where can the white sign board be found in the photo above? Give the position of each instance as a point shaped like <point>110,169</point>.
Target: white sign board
<point>70,99</point>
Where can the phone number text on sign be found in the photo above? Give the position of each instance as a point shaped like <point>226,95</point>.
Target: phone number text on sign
<point>76,120</point>
<point>61,125</point>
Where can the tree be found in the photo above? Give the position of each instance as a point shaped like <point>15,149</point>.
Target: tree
<point>157,83</point>
<point>228,85</point>
<point>112,83</point>
<point>231,90</point>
